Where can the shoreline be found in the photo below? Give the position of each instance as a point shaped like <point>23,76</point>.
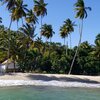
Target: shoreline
<point>58,80</point>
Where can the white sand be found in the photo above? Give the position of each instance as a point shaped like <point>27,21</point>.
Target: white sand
<point>15,79</point>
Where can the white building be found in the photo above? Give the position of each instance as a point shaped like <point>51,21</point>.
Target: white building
<point>10,64</point>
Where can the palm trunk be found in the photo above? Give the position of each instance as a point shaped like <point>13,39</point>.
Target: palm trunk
<point>70,41</point>
<point>80,31</point>
<point>8,44</point>
<point>17,25</point>
<point>49,48</point>
<point>22,21</point>
<point>14,66</point>
<point>64,41</point>
<point>66,46</point>
<point>50,40</point>
<point>41,28</point>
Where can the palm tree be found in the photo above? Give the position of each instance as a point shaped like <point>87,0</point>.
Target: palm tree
<point>16,8</point>
<point>18,11</point>
<point>81,13</point>
<point>31,17</point>
<point>47,31</point>
<point>97,47</point>
<point>0,20</point>
<point>40,9</point>
<point>70,26</point>
<point>28,30</point>
<point>64,32</point>
<point>10,3</point>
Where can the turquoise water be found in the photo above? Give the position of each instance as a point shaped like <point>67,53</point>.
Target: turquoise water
<point>48,93</point>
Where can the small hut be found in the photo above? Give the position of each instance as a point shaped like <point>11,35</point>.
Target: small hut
<point>8,66</point>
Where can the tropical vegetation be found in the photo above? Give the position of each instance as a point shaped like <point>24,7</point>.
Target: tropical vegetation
<point>31,54</point>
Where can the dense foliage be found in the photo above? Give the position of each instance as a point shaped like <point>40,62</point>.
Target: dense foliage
<point>49,57</point>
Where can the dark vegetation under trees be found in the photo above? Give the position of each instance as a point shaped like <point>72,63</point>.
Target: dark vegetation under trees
<point>36,56</point>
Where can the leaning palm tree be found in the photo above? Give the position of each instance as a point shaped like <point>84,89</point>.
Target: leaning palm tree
<point>47,31</point>
<point>70,26</point>
<point>81,13</point>
<point>40,9</point>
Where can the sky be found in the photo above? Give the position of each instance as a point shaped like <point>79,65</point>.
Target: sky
<point>60,10</point>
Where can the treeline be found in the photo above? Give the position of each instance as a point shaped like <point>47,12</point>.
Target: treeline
<point>37,56</point>
<point>49,57</point>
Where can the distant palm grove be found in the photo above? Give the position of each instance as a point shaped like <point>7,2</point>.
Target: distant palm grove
<point>31,54</point>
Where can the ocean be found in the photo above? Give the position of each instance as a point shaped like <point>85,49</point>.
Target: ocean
<point>48,93</point>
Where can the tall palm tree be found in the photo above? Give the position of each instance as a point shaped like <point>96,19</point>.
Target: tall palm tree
<point>10,4</point>
<point>70,26</point>
<point>47,31</point>
<point>16,8</point>
<point>40,9</point>
<point>18,11</point>
<point>31,17</point>
<point>64,32</point>
<point>81,13</point>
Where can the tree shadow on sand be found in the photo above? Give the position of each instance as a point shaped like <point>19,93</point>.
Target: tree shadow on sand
<point>63,79</point>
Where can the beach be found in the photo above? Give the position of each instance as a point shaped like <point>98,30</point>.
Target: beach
<point>60,80</point>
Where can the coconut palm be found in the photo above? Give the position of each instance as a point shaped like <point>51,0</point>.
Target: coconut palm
<point>64,32</point>
<point>28,30</point>
<point>9,3</point>
<point>16,8</point>
<point>81,13</point>
<point>47,31</point>
<point>18,11</point>
<point>31,17</point>
<point>40,9</point>
<point>70,26</point>
<point>97,47</point>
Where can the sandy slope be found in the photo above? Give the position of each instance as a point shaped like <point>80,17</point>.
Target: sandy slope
<point>49,80</point>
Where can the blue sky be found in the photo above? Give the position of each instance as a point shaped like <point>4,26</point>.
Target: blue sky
<point>60,10</point>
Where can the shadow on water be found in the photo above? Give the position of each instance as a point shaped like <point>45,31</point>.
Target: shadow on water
<point>64,79</point>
